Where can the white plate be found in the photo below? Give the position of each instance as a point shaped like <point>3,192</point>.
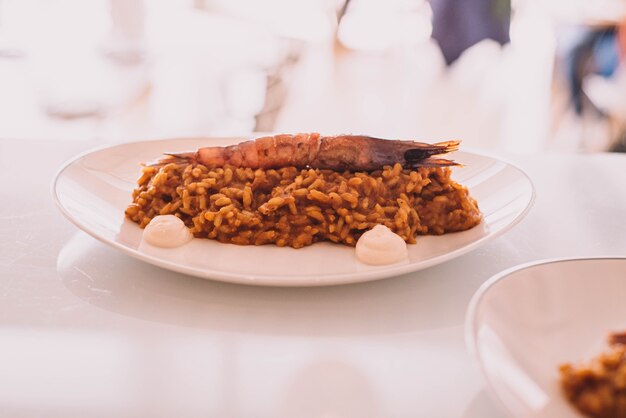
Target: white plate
<point>523,323</point>
<point>94,189</point>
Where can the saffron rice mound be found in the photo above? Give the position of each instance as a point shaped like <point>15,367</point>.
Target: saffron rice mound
<point>597,388</point>
<point>297,207</point>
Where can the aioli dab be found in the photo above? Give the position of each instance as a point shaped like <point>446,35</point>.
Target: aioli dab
<point>166,231</point>
<point>380,246</point>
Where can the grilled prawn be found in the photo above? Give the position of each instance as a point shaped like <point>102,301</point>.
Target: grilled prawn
<point>342,152</point>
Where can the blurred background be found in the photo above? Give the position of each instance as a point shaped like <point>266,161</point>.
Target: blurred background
<point>515,76</point>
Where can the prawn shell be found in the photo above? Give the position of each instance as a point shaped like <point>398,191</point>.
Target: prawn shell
<point>339,153</point>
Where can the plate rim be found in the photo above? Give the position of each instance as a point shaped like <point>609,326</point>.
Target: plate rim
<point>470,322</point>
<point>327,280</point>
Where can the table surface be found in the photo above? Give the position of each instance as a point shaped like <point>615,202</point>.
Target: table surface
<point>87,331</point>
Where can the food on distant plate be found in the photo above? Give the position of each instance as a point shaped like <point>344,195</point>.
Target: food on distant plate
<point>167,231</point>
<point>380,245</point>
<point>294,190</point>
<point>598,388</point>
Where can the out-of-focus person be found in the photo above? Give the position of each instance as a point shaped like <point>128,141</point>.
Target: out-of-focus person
<point>460,24</point>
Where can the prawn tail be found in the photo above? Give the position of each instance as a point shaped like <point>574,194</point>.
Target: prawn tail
<point>420,156</point>
<point>448,146</point>
<point>433,162</point>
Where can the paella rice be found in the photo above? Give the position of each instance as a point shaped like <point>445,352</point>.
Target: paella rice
<point>296,207</point>
<point>598,388</point>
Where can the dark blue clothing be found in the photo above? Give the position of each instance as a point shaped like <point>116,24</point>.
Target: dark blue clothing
<point>459,24</point>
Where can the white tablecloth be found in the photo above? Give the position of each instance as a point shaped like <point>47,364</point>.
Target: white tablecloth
<point>86,331</point>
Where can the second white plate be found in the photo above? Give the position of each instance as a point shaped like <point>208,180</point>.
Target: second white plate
<point>94,189</point>
<point>523,323</point>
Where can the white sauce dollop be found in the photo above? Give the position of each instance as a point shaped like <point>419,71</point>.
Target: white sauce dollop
<point>166,231</point>
<point>380,246</point>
